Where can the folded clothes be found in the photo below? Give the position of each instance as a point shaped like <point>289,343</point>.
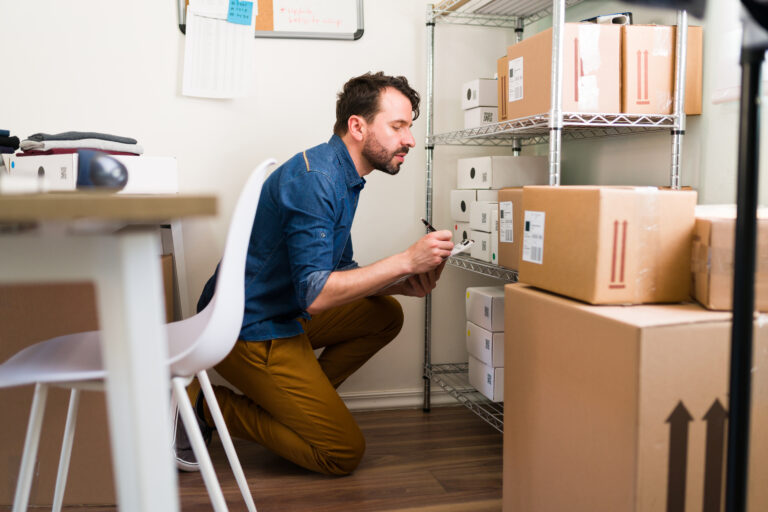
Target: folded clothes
<point>7,149</point>
<point>4,133</point>
<point>104,145</point>
<point>12,142</point>
<point>81,135</point>
<point>67,151</point>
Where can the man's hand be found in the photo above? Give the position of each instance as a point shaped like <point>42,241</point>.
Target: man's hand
<point>429,252</point>
<point>420,285</point>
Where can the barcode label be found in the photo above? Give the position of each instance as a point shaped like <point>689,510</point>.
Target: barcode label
<point>487,117</point>
<point>506,227</point>
<point>533,237</point>
<point>487,344</point>
<point>489,379</point>
<point>515,92</point>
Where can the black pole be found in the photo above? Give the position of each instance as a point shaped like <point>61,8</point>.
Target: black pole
<point>743,285</point>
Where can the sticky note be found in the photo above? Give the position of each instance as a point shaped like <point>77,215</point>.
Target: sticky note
<point>240,12</point>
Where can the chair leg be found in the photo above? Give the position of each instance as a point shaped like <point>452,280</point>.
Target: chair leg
<point>31,444</point>
<point>198,445</point>
<point>226,440</point>
<point>66,450</point>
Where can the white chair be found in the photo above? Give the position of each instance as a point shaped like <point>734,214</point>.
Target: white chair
<point>195,344</point>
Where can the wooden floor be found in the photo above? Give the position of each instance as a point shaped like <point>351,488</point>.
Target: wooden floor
<point>447,460</point>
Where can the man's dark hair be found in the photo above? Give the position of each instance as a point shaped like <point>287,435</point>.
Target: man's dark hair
<point>360,97</point>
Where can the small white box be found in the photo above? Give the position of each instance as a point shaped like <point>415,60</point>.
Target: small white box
<point>461,232</point>
<point>488,195</point>
<point>460,203</point>
<point>485,345</point>
<point>481,215</point>
<point>495,248</point>
<point>482,247</point>
<point>480,116</point>
<point>480,92</point>
<point>496,172</point>
<point>146,174</point>
<point>487,380</point>
<point>485,306</point>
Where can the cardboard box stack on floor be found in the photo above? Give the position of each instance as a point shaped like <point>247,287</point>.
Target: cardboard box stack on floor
<point>485,340</point>
<point>478,99</point>
<point>475,201</point>
<point>614,401</point>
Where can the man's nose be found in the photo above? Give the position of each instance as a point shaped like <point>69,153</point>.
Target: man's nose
<point>408,140</point>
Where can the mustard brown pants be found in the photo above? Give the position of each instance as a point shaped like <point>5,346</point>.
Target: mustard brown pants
<point>289,402</point>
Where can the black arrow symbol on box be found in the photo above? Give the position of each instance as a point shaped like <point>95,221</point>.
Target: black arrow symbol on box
<point>713,463</point>
<point>678,457</point>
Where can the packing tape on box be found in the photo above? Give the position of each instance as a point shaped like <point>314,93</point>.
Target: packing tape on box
<point>649,239</point>
<point>719,260</point>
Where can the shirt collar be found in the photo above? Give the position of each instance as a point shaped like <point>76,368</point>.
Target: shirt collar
<point>351,176</point>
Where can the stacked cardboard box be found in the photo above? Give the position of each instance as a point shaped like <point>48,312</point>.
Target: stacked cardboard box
<point>485,340</point>
<point>478,100</point>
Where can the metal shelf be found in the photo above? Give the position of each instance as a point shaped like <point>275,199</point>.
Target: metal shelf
<point>535,129</point>
<point>497,14</point>
<point>482,267</point>
<point>452,377</point>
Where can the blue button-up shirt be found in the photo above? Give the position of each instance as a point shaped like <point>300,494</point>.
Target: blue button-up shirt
<point>301,233</point>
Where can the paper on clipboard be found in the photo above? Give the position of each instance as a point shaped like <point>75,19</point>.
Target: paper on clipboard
<point>218,56</point>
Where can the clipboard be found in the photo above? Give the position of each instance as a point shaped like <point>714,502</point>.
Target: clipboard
<point>303,19</point>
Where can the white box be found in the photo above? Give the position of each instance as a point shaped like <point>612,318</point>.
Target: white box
<point>485,306</point>
<point>146,174</point>
<point>460,202</point>
<point>485,345</point>
<point>502,171</point>
<point>461,232</point>
<point>482,247</point>
<point>481,216</point>
<point>488,195</point>
<point>480,92</point>
<point>487,380</point>
<point>480,116</point>
<point>495,248</point>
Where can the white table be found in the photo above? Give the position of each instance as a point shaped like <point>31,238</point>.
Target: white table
<point>112,240</point>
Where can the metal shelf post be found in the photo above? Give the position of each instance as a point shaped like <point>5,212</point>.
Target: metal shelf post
<point>681,54</point>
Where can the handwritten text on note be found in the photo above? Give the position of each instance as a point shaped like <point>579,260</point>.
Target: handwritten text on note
<point>314,15</point>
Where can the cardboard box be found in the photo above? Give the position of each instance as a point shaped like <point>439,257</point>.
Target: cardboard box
<point>502,87</point>
<point>486,346</point>
<point>480,92</point>
<point>485,307</point>
<point>487,380</point>
<point>712,257</point>
<point>648,69</point>
<point>495,172</point>
<point>146,174</point>
<point>460,231</point>
<point>614,408</point>
<point>460,201</point>
<point>482,216</point>
<point>591,71</point>
<point>608,245</point>
<point>510,239</point>
<point>33,313</point>
<point>480,116</point>
<point>482,247</point>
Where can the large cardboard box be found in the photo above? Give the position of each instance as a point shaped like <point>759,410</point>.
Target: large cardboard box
<point>33,313</point>
<point>712,257</point>
<point>510,237</point>
<point>648,69</point>
<point>591,71</point>
<point>613,408</point>
<point>608,245</point>
<point>495,172</point>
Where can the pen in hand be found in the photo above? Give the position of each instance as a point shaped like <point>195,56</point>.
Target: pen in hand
<point>430,228</point>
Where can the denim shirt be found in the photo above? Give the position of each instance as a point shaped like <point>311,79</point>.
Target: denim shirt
<point>301,233</point>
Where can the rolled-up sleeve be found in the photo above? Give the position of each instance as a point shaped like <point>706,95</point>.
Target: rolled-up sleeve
<point>308,224</point>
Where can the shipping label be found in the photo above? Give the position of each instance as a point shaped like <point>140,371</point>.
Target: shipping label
<point>515,92</point>
<point>506,226</point>
<point>533,237</point>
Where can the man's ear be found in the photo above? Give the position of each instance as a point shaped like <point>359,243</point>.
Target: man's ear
<point>356,127</point>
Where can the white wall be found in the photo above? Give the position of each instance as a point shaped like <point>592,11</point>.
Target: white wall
<point>115,67</point>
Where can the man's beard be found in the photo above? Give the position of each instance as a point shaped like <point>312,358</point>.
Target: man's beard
<point>380,158</point>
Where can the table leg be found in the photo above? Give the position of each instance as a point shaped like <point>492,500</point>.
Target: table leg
<point>130,306</point>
